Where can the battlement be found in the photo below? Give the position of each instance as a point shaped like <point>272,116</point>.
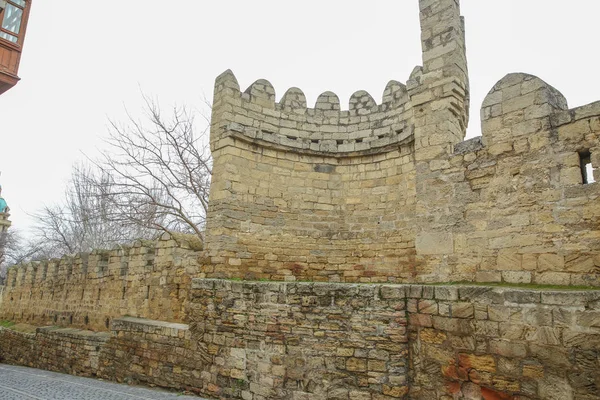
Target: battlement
<point>147,278</point>
<point>366,126</point>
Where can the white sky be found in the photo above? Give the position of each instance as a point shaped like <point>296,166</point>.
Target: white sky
<point>84,61</point>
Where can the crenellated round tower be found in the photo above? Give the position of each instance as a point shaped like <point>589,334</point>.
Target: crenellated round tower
<point>387,190</point>
<point>328,193</point>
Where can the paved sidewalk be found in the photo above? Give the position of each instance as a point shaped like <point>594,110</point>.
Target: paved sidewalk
<point>20,383</point>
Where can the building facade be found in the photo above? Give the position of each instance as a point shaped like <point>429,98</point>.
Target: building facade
<point>14,15</point>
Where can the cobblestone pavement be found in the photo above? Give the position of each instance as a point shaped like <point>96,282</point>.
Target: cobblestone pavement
<point>20,383</point>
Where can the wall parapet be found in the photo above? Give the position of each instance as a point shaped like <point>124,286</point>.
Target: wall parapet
<point>146,279</point>
<point>325,128</point>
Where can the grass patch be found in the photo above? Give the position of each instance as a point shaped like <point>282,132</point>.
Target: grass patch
<point>24,328</point>
<point>6,324</point>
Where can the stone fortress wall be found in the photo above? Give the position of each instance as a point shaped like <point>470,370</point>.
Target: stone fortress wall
<point>370,200</point>
<point>313,341</point>
<point>391,192</point>
<point>512,205</point>
<point>148,280</point>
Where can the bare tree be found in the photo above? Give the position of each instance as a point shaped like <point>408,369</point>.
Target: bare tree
<point>6,239</point>
<point>154,177</point>
<point>85,220</point>
<point>14,249</point>
<point>158,171</point>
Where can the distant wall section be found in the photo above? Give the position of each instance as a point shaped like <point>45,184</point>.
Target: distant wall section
<point>148,279</point>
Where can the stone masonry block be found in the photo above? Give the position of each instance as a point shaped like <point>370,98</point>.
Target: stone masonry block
<point>434,243</point>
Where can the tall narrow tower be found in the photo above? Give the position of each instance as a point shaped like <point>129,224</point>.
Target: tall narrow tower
<point>4,224</point>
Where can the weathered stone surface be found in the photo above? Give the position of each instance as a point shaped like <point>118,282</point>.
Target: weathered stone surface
<point>88,291</point>
<point>379,194</point>
<point>247,339</point>
<point>434,243</point>
<point>391,193</point>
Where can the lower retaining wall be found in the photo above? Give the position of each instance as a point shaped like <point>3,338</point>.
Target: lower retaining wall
<point>302,340</point>
<point>501,344</point>
<point>153,352</point>
<point>307,341</point>
<point>70,351</point>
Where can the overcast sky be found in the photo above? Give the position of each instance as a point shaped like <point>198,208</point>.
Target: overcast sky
<point>83,63</point>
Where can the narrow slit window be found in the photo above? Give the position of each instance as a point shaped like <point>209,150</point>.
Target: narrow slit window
<point>587,171</point>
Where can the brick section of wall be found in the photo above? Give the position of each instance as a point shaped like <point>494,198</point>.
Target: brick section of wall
<point>310,341</point>
<point>278,215</point>
<point>87,291</point>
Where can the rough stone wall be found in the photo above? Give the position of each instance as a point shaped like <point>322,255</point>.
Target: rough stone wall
<point>89,290</point>
<point>495,344</point>
<point>268,340</point>
<point>516,207</point>
<point>17,347</point>
<point>66,350</point>
<point>319,340</point>
<point>153,352</point>
<point>391,192</point>
<point>302,341</point>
